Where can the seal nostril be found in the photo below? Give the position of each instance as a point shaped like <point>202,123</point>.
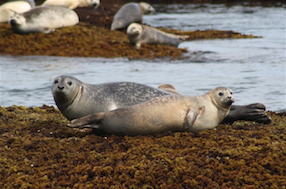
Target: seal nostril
<point>61,88</point>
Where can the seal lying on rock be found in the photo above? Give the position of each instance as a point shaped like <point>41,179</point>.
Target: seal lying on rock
<point>130,12</point>
<point>43,19</point>
<point>76,99</point>
<point>7,9</point>
<point>139,34</point>
<point>72,4</point>
<point>166,113</point>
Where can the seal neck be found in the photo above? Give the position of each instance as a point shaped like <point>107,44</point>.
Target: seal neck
<point>76,98</point>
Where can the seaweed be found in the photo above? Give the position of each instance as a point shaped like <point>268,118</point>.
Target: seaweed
<point>40,151</point>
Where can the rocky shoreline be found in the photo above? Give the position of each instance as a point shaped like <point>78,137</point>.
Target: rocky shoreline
<point>38,150</point>
<point>93,38</point>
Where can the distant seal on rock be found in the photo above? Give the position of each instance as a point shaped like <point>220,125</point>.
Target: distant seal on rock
<point>72,4</point>
<point>167,113</point>
<point>8,9</point>
<point>43,19</point>
<point>76,99</point>
<point>130,12</point>
<point>139,34</point>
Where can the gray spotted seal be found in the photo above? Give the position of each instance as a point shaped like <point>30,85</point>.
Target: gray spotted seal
<point>72,4</point>
<point>139,34</point>
<point>166,113</point>
<point>43,19</point>
<point>8,9</point>
<point>76,99</point>
<point>130,12</point>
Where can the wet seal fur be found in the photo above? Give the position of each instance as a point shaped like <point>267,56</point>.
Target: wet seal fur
<point>43,20</point>
<point>130,12</point>
<point>167,113</point>
<point>139,34</point>
<point>76,99</point>
<point>72,4</point>
<point>7,9</point>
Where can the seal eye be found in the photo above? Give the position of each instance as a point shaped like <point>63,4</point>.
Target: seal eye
<point>56,81</point>
<point>70,83</point>
<point>220,94</point>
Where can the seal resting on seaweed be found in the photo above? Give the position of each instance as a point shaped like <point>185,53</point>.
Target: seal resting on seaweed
<point>130,12</point>
<point>72,4</point>
<point>76,99</point>
<point>43,20</point>
<point>139,34</point>
<point>167,113</point>
<point>7,9</point>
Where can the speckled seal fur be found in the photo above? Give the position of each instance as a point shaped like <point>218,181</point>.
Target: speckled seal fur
<point>76,99</point>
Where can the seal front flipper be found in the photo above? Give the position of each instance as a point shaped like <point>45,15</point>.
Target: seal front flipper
<point>90,121</point>
<point>191,117</point>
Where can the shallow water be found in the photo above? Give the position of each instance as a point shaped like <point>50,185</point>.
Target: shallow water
<point>253,68</point>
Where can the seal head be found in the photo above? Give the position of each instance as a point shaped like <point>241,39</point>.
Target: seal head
<point>65,91</point>
<point>222,97</point>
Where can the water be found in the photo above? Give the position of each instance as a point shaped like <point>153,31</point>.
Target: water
<point>253,68</point>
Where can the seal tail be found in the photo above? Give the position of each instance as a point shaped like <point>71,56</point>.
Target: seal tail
<point>90,121</point>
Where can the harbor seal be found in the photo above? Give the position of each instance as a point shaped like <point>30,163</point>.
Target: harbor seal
<point>76,99</point>
<point>139,34</point>
<point>130,12</point>
<point>167,113</point>
<point>43,19</point>
<point>72,4</point>
<point>7,9</point>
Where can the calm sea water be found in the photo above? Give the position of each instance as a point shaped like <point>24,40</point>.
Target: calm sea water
<point>253,68</point>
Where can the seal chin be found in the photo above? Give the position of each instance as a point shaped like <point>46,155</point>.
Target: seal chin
<point>230,102</point>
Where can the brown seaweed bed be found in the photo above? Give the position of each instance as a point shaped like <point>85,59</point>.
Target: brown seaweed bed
<point>39,151</point>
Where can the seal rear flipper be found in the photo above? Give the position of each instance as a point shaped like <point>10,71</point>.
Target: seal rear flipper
<point>90,121</point>
<point>252,112</point>
<point>169,88</point>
